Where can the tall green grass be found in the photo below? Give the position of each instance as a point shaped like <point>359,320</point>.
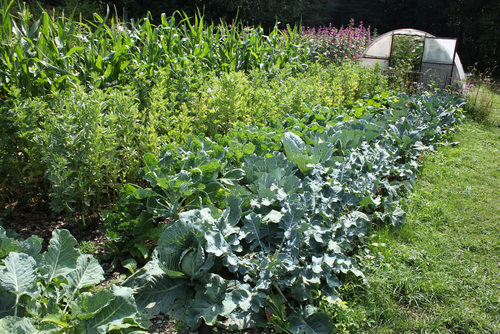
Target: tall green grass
<point>483,100</point>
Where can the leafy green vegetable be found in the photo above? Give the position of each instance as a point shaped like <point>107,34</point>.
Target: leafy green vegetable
<point>61,256</point>
<point>154,291</point>
<point>53,295</point>
<point>16,325</point>
<point>11,242</point>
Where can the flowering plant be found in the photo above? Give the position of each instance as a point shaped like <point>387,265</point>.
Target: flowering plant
<point>331,45</point>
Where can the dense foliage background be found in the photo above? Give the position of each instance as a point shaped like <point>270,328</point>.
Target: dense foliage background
<point>474,23</point>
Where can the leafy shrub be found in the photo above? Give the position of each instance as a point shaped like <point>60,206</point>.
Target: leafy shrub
<point>79,148</point>
<point>85,145</point>
<point>21,170</point>
<point>186,100</point>
<point>332,45</point>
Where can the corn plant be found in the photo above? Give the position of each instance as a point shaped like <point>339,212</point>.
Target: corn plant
<point>55,54</point>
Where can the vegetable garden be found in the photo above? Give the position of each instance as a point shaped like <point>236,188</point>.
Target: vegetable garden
<point>237,173</point>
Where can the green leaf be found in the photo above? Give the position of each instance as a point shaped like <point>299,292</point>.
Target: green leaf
<point>50,328</point>
<point>121,307</point>
<point>305,156</point>
<point>18,274</point>
<point>30,246</point>
<point>210,169</point>
<point>216,243</point>
<point>7,304</point>
<point>7,245</point>
<point>292,144</point>
<point>215,192</point>
<point>40,308</point>
<point>398,217</point>
<point>226,223</point>
<point>87,304</point>
<point>58,319</point>
<point>234,205</point>
<point>161,206</point>
<point>254,231</point>
<point>154,291</point>
<point>240,319</point>
<point>16,325</point>
<point>88,272</point>
<point>232,177</point>
<point>318,323</point>
<point>130,264</point>
<point>60,257</point>
<point>140,193</point>
<point>184,234</point>
<point>150,159</point>
<point>305,283</point>
<point>293,224</point>
<point>192,260</point>
<point>321,152</point>
<point>169,259</point>
<point>190,221</point>
<point>208,304</point>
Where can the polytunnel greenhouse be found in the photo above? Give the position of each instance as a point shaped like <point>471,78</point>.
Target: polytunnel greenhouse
<point>437,61</point>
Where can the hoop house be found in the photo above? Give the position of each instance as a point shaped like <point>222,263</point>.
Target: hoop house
<point>439,64</point>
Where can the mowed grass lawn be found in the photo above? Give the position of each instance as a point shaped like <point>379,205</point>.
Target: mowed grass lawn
<point>440,273</point>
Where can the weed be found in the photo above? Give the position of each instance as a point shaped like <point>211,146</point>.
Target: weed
<point>482,97</point>
<point>180,325</point>
<point>87,247</point>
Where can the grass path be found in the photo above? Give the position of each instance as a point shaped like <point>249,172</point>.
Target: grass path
<point>440,273</point>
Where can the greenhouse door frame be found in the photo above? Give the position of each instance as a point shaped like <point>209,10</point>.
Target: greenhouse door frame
<point>447,67</point>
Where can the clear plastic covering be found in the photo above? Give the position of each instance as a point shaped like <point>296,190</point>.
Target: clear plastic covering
<point>370,62</point>
<point>458,71</point>
<point>439,50</point>
<point>380,48</point>
<point>438,75</point>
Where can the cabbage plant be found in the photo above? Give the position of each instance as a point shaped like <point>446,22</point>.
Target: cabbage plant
<point>51,292</point>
